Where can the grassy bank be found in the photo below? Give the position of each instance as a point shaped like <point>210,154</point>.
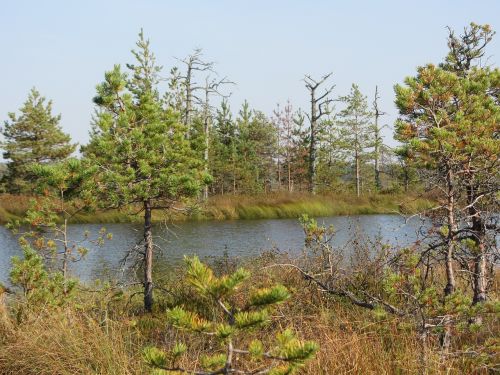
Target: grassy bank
<point>232,207</point>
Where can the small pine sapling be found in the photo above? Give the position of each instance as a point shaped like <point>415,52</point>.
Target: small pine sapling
<point>64,192</point>
<point>234,321</point>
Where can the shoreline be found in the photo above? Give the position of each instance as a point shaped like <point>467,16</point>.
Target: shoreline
<point>279,205</point>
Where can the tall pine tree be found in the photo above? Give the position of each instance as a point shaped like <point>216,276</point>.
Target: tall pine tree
<point>354,121</point>
<point>141,148</point>
<point>33,137</point>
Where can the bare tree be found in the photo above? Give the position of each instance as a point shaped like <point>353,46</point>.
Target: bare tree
<point>377,139</point>
<point>319,108</point>
<point>212,87</point>
<point>194,63</point>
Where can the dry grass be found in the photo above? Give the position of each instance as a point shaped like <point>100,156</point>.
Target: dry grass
<point>263,206</point>
<point>66,343</point>
<point>102,335</point>
<point>292,205</point>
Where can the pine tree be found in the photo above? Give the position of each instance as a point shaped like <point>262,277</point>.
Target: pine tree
<point>481,177</point>
<point>237,318</point>
<point>141,149</point>
<point>65,190</point>
<point>354,122</point>
<point>33,137</point>
<point>449,124</point>
<point>257,149</point>
<point>224,150</point>
<point>284,125</point>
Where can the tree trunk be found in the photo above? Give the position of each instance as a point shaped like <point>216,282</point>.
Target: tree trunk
<point>207,143</point>
<point>66,251</point>
<point>289,176</point>
<point>358,177</point>
<point>378,183</point>
<point>189,92</point>
<point>312,146</point>
<point>445,339</point>
<point>406,179</point>
<point>480,272</point>
<point>480,263</point>
<point>148,258</point>
<point>450,277</point>
<point>279,174</point>
<point>378,141</point>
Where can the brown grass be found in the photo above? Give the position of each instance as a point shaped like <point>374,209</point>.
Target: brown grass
<point>66,343</point>
<point>101,335</point>
<point>262,206</point>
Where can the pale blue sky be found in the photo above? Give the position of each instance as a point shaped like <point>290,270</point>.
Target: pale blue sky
<point>64,47</point>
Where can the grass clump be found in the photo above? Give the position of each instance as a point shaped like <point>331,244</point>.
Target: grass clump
<point>67,342</point>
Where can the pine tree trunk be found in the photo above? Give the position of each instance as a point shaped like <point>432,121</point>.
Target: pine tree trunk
<point>480,263</point>
<point>189,92</point>
<point>445,338</point>
<point>450,277</point>
<point>407,180</point>
<point>148,257</point>
<point>312,146</point>
<point>358,177</point>
<point>289,177</point>
<point>205,156</point>
<point>480,272</point>
<point>66,250</point>
<point>206,128</point>
<point>279,174</point>
<point>378,183</point>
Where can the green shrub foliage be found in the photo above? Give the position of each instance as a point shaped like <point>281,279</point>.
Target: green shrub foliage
<point>235,318</point>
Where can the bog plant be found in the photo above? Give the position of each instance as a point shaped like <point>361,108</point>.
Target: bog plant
<point>235,319</point>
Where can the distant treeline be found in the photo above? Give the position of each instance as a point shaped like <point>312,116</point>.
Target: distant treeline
<point>245,151</point>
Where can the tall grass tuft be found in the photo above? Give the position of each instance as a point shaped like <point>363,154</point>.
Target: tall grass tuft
<point>67,342</point>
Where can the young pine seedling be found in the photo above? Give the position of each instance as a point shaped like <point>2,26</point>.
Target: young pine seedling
<point>233,321</point>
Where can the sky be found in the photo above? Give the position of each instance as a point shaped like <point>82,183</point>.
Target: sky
<point>266,47</point>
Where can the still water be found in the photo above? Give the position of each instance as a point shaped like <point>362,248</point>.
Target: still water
<point>239,238</point>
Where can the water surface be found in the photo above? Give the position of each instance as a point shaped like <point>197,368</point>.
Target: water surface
<point>240,238</point>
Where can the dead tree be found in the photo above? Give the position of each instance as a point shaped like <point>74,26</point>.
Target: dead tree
<point>194,63</point>
<point>377,139</point>
<point>319,108</point>
<point>212,87</point>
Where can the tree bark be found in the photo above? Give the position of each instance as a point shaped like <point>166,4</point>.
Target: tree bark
<point>450,276</point>
<point>206,128</point>
<point>289,176</point>
<point>319,108</point>
<point>312,145</point>
<point>358,177</point>
<point>378,141</point>
<point>480,263</point>
<point>445,339</point>
<point>148,257</point>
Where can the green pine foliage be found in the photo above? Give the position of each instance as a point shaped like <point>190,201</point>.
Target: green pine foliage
<point>39,286</point>
<point>64,190</point>
<point>139,143</point>
<point>237,317</point>
<point>32,137</point>
<point>142,149</point>
<point>355,134</point>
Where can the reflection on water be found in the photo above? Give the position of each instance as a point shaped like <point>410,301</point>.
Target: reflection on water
<point>212,238</point>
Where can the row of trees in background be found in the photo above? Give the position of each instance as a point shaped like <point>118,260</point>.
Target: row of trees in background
<point>247,152</point>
